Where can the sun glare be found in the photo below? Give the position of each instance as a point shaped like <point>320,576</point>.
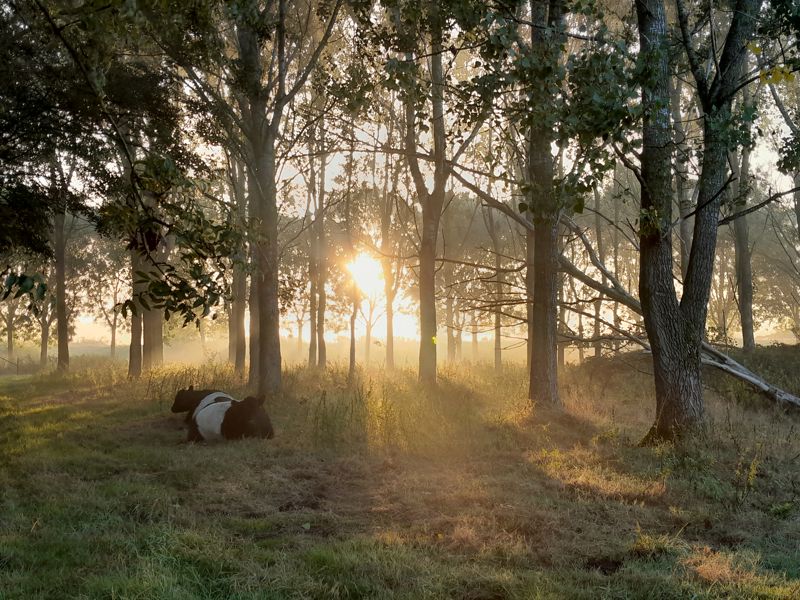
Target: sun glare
<point>367,274</point>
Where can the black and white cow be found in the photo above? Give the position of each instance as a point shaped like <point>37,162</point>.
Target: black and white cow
<point>214,415</point>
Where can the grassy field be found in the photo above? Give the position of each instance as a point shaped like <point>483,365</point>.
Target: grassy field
<point>388,490</point>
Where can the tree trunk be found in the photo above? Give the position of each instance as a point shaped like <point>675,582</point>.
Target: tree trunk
<point>135,350</point>
<point>252,371</point>
<point>114,336</point>
<point>448,318</point>
<point>544,370</point>
<point>741,237</point>
<point>269,343</point>
<point>498,323</point>
<point>237,349</point>
<point>10,315</point>
<point>682,156</point>
<point>351,370</point>
<point>237,341</point>
<point>545,210</point>
<point>674,343</point>
<point>475,336</point>
<point>530,267</point>
<point>44,341</point>
<point>601,253</point>
<point>389,288</point>
<point>322,260</point>
<point>427,292</point>
<point>432,204</point>
<point>62,324</point>
<point>152,338</point>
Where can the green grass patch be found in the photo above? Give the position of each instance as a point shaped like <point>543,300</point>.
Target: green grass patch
<point>389,489</point>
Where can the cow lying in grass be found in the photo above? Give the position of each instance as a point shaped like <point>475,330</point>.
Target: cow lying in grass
<point>214,415</point>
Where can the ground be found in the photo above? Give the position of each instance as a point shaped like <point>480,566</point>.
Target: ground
<point>390,490</point>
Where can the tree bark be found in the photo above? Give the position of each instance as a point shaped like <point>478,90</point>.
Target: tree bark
<point>432,201</point>
<point>135,349</point>
<point>322,259</point>
<point>62,324</point>
<point>601,253</point>
<point>237,341</point>
<point>675,345</point>
<point>545,210</point>
<point>44,341</point>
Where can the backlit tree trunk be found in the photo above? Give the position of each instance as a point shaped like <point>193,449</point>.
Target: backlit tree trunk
<point>62,324</point>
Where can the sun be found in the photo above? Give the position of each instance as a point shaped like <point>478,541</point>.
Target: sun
<point>367,274</point>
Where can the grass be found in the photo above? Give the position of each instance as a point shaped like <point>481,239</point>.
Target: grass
<point>390,490</point>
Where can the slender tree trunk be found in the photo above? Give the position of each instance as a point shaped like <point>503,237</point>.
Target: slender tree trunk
<point>312,321</point>
<point>741,237</point>
<point>351,371</point>
<point>530,267</point>
<point>368,333</point>
<point>252,371</point>
<point>474,336</point>
<point>114,336</point>
<point>62,325</point>
<point>135,349</point>
<point>322,261</point>
<point>237,341</point>
<point>682,156</point>
<point>601,253</point>
<point>44,341</point>
<point>432,205</point>
<point>449,326</point>
<point>498,323</point>
<point>11,306</point>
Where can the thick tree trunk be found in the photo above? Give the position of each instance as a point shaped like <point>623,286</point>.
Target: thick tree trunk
<point>427,291</point>
<point>530,271</point>
<point>545,209</point>
<point>152,338</point>
<point>544,370</point>
<point>269,343</point>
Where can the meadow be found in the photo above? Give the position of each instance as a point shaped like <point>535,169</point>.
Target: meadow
<point>386,489</point>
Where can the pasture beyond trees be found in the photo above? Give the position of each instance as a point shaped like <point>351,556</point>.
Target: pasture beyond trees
<point>387,489</point>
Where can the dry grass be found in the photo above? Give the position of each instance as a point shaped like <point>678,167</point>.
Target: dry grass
<point>391,490</point>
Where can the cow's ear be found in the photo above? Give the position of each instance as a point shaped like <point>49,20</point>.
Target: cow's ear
<point>191,387</point>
